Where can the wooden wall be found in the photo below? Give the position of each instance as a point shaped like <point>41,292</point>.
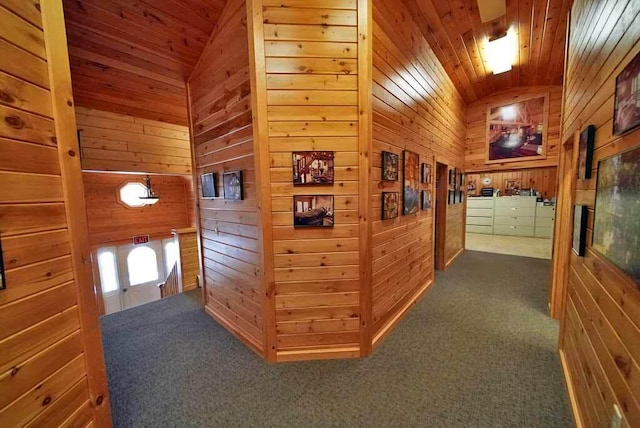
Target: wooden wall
<point>117,142</point>
<point>51,364</point>
<point>112,222</point>
<point>476,139</point>
<point>600,330</point>
<point>222,128</point>
<point>543,180</point>
<point>189,268</point>
<point>417,108</point>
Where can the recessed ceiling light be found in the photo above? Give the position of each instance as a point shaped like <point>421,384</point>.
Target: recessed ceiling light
<point>501,52</point>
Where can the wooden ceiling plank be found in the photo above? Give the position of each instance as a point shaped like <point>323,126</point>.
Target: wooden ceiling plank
<point>537,34</point>
<point>556,68</point>
<point>553,21</point>
<point>524,13</point>
<point>29,10</point>
<point>203,18</point>
<point>479,37</point>
<point>513,22</point>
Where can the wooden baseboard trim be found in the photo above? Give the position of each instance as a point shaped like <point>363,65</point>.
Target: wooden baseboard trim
<point>572,393</point>
<point>318,354</point>
<point>236,331</point>
<point>393,321</point>
<point>452,259</point>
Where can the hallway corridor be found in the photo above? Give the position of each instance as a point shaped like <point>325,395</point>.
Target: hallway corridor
<point>478,350</point>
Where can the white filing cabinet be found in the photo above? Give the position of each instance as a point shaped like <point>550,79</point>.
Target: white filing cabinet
<point>515,215</point>
<point>480,214</point>
<point>545,217</point>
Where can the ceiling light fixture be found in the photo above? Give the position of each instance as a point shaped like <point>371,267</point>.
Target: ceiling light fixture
<point>500,52</point>
<point>149,198</point>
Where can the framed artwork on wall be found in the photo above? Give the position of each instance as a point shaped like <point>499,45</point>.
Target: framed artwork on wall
<point>461,180</point>
<point>208,185</point>
<point>579,229</point>
<point>616,225</point>
<point>232,184</point>
<point>471,186</point>
<point>517,131</point>
<point>313,168</point>
<point>585,152</point>
<point>313,211</point>
<point>390,166</point>
<point>410,191</point>
<point>425,176</point>
<point>451,199</point>
<point>626,111</point>
<point>512,187</point>
<point>460,196</point>
<point>426,200</point>
<point>3,281</point>
<point>390,205</point>
<point>452,174</point>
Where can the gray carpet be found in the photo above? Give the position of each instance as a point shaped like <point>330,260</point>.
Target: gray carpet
<point>477,351</point>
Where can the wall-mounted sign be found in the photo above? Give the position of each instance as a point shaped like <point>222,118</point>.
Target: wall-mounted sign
<point>140,239</point>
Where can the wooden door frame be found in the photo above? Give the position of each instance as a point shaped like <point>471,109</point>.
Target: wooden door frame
<point>440,221</point>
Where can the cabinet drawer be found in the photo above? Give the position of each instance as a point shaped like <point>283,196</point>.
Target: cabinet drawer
<point>516,201</point>
<point>544,232</point>
<point>480,221</point>
<point>479,212</point>
<point>479,203</point>
<point>544,222</point>
<point>513,230</point>
<point>547,211</point>
<point>515,212</point>
<point>479,229</point>
<point>514,221</point>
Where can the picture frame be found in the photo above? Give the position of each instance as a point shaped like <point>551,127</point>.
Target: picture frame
<point>460,196</point>
<point>313,211</point>
<point>3,279</point>
<point>579,242</point>
<point>517,131</point>
<point>616,223</point>
<point>471,186</point>
<point>585,152</point>
<point>461,180</point>
<point>313,168</point>
<point>411,183</point>
<point>451,197</point>
<point>425,173</point>
<point>626,112</point>
<point>456,174</point>
<point>233,185</point>
<point>208,185</point>
<point>390,166</point>
<point>512,187</point>
<point>426,200</point>
<point>451,177</point>
<point>390,205</point>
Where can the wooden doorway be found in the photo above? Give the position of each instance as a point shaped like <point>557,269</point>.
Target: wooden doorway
<point>439,241</point>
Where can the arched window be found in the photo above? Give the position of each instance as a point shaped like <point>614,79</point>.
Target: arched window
<point>142,264</point>
<point>108,274</point>
<point>170,255</point>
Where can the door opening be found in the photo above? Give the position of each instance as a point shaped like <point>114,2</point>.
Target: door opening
<point>439,242</point>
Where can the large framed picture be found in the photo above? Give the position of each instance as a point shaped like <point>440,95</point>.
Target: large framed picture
<point>616,228</point>
<point>232,184</point>
<point>390,165</point>
<point>411,193</point>
<point>390,204</point>
<point>518,131</point>
<point>626,113</point>
<point>313,168</point>
<point>585,152</point>
<point>313,211</point>
<point>208,185</point>
<point>579,230</point>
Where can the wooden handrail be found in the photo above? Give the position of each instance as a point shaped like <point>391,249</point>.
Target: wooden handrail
<point>170,286</point>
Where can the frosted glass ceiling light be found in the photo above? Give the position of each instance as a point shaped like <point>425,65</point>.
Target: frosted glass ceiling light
<point>500,52</point>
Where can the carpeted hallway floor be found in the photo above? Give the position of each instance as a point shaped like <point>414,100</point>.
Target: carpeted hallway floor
<point>477,351</point>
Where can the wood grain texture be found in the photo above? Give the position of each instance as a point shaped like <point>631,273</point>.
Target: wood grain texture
<point>123,143</point>
<point>476,139</point>
<point>189,267</point>
<point>600,322</point>
<point>543,180</point>
<point>417,108</point>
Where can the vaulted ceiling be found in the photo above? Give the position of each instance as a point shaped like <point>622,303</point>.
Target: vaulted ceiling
<point>456,34</point>
<point>134,56</point>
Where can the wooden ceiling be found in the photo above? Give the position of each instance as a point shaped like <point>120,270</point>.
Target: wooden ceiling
<point>134,56</point>
<point>457,36</point>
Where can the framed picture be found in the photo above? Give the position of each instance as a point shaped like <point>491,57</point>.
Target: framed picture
<point>3,281</point>
<point>512,187</point>
<point>585,152</point>
<point>390,166</point>
<point>616,225</point>
<point>426,200</point>
<point>208,185</point>
<point>518,131</point>
<point>410,193</point>
<point>451,199</point>
<point>461,180</point>
<point>579,229</point>
<point>471,186</point>
<point>313,211</point>
<point>313,168</point>
<point>390,205</point>
<point>460,196</point>
<point>456,175</point>
<point>626,111</point>
<point>452,175</point>
<point>232,183</point>
<point>425,173</point>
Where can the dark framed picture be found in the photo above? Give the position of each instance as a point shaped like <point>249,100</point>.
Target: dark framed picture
<point>451,199</point>
<point>461,180</point>
<point>313,168</point>
<point>456,174</point>
<point>426,200</point>
<point>626,111</point>
<point>452,174</point>
<point>232,183</point>
<point>313,211</point>
<point>425,173</point>
<point>410,193</point>
<point>512,187</point>
<point>460,196</point>
<point>208,185</point>
<point>579,229</point>
<point>3,281</point>
<point>585,152</point>
<point>616,225</point>
<point>390,166</point>
<point>390,205</point>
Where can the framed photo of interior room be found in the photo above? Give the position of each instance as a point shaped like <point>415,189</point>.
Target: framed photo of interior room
<point>518,131</point>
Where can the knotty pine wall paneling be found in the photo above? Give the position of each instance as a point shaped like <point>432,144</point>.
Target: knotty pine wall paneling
<point>417,108</point>
<point>122,143</point>
<point>600,341</point>
<point>222,126</point>
<point>51,365</point>
<point>543,180</point>
<point>476,132</point>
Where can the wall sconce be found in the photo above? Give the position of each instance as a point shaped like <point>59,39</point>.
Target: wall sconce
<point>149,198</point>
<point>501,51</point>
